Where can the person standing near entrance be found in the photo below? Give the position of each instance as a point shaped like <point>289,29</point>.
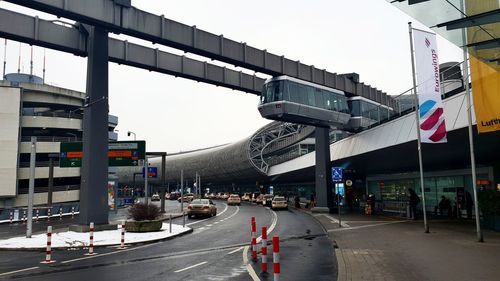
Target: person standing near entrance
<point>414,200</point>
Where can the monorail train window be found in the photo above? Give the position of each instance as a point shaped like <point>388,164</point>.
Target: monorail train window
<point>293,91</point>
<point>318,97</point>
<point>343,105</point>
<point>310,95</point>
<point>328,101</point>
<point>273,92</point>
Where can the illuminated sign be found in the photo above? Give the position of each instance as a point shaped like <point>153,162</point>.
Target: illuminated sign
<point>121,153</point>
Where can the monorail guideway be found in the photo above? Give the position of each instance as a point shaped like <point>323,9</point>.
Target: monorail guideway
<point>292,100</point>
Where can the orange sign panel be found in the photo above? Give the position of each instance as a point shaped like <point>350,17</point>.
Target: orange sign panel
<point>119,153</point>
<point>75,154</point>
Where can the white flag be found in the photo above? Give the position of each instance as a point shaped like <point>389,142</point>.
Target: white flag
<point>432,126</point>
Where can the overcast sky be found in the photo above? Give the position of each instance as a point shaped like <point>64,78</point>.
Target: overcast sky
<point>369,37</point>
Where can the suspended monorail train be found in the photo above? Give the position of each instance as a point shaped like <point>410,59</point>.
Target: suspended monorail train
<point>293,100</point>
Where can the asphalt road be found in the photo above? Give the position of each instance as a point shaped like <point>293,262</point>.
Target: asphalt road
<point>216,250</point>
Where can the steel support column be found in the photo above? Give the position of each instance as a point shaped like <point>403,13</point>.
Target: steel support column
<point>324,197</point>
<point>163,185</point>
<point>94,172</point>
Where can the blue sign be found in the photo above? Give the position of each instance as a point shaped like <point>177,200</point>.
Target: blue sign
<point>337,174</point>
<point>152,172</point>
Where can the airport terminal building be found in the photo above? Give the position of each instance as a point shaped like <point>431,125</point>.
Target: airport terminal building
<point>379,155</point>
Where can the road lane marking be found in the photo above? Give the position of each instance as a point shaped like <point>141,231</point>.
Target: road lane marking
<point>225,209</point>
<point>236,250</point>
<point>250,269</point>
<point>108,254</point>
<point>189,267</point>
<point>20,270</point>
<point>334,220</point>
<point>363,226</point>
<point>271,227</point>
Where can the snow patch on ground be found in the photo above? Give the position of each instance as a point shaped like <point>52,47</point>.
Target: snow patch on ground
<point>70,239</point>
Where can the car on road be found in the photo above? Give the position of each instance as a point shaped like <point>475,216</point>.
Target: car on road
<point>188,197</point>
<point>259,199</point>
<point>245,197</point>
<point>253,197</point>
<point>224,196</point>
<point>201,207</point>
<point>266,201</point>
<point>174,196</point>
<point>155,197</point>
<point>234,199</point>
<point>279,202</point>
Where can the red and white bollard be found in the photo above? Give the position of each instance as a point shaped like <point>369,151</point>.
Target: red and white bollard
<point>276,258</point>
<point>60,213</point>
<point>263,249</point>
<point>254,239</point>
<point>72,212</point>
<point>91,243</point>
<point>49,214</point>
<point>122,241</point>
<point>48,253</point>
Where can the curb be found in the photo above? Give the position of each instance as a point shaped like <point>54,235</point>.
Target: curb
<point>315,218</point>
<point>99,246</point>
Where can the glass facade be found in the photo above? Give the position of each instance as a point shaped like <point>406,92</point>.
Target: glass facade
<point>304,94</point>
<point>394,194</point>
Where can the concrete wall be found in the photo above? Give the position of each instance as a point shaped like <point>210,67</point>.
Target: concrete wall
<point>10,106</point>
<point>41,198</point>
<point>43,172</point>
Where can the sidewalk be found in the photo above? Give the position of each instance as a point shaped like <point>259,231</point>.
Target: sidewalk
<point>385,248</point>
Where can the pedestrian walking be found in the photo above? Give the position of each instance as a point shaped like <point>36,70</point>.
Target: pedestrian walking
<point>414,200</point>
<point>312,203</point>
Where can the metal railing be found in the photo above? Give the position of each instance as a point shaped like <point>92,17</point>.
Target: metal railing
<point>70,115</point>
<point>51,139</point>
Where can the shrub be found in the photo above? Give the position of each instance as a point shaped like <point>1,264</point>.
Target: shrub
<point>142,211</point>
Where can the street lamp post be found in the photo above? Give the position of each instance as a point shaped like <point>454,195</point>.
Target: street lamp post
<point>129,133</point>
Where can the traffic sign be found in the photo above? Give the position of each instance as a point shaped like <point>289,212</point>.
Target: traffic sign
<point>120,153</point>
<point>337,174</point>
<point>152,172</point>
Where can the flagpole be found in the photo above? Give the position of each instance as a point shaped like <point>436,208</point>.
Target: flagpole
<point>426,226</point>
<point>471,140</point>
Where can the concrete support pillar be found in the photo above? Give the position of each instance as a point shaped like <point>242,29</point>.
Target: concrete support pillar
<point>324,196</point>
<point>94,172</point>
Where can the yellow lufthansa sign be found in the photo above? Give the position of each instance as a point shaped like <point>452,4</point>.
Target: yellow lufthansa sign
<point>486,94</point>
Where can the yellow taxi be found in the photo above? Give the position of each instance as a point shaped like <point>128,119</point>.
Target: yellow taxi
<point>279,202</point>
<point>201,207</point>
<point>234,199</point>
